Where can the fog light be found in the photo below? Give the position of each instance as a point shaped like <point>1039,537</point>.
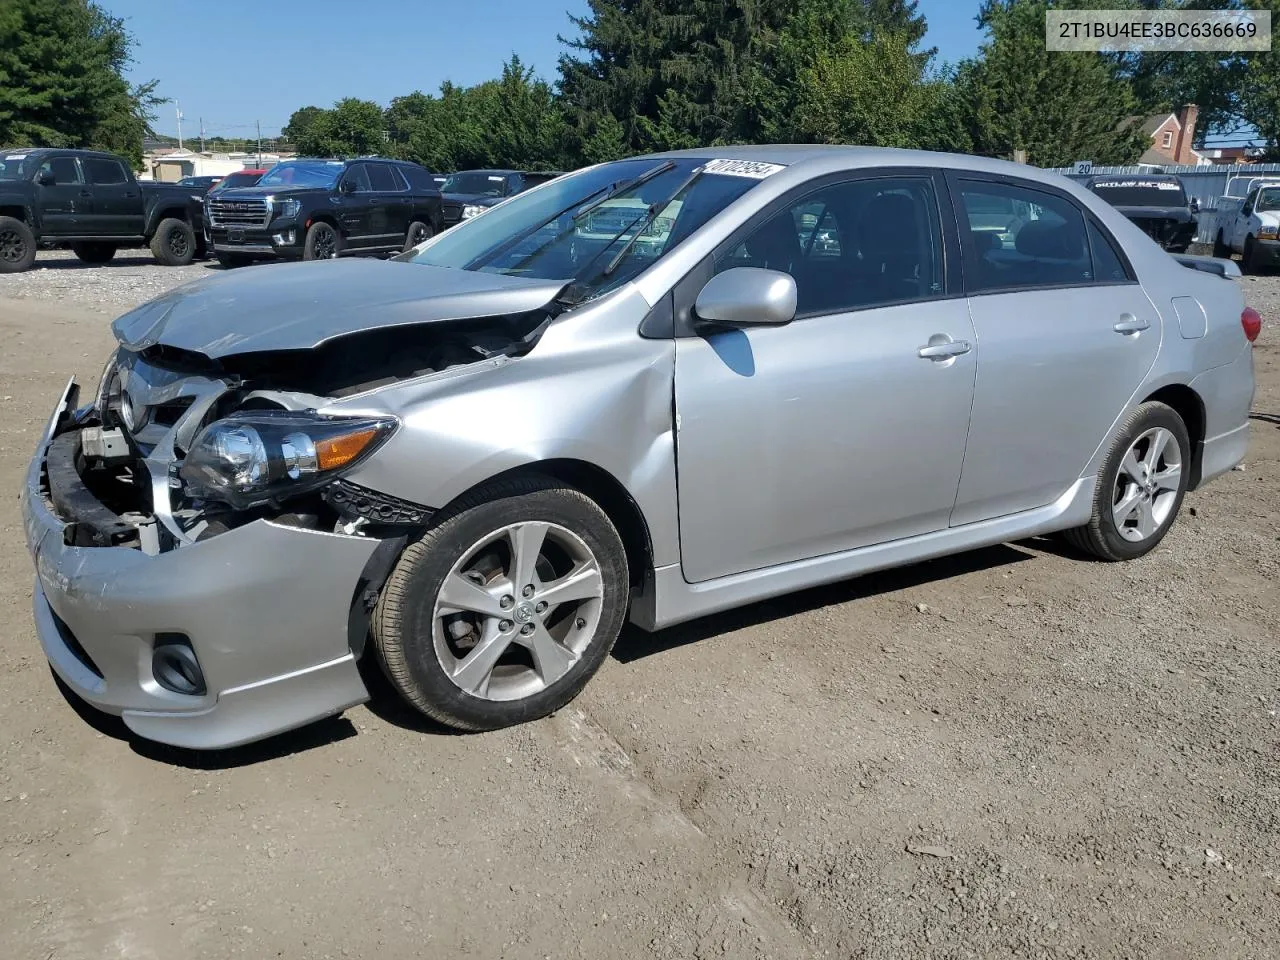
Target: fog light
<point>286,239</point>
<point>175,667</point>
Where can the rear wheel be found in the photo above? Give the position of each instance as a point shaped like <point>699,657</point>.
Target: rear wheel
<point>17,246</point>
<point>1140,486</point>
<point>323,242</point>
<point>418,233</point>
<point>94,252</point>
<point>506,607</point>
<point>174,243</point>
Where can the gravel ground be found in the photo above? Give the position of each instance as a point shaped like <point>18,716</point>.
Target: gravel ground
<point>1011,753</point>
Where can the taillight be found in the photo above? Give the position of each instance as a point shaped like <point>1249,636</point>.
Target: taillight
<point>1251,320</point>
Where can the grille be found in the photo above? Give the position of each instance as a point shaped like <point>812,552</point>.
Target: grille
<point>255,212</point>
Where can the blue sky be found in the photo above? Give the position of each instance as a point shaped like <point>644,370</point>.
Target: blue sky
<point>235,63</point>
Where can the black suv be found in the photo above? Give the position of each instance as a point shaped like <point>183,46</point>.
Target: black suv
<point>319,209</point>
<point>469,192</point>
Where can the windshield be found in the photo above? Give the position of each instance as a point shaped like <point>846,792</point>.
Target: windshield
<point>544,233</point>
<point>1141,193</point>
<point>238,180</point>
<point>15,166</point>
<point>476,183</point>
<point>303,173</point>
<point>1268,199</point>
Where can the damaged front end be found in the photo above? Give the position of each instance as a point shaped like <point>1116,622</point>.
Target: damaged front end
<point>179,447</point>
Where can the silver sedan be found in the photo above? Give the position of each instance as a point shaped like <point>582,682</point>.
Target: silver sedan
<point>651,389</point>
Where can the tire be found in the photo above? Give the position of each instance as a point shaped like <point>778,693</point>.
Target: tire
<point>17,246</point>
<point>1155,503</point>
<point>1220,249</point>
<point>323,242</point>
<point>415,640</point>
<point>94,252</point>
<point>1251,263</point>
<point>174,243</point>
<point>229,261</point>
<point>417,233</point>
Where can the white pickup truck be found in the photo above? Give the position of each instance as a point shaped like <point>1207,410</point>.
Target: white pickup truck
<point>1247,222</point>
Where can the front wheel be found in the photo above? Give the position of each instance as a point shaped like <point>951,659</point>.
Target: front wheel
<point>506,607</point>
<point>1251,262</point>
<point>323,242</point>
<point>1140,486</point>
<point>174,243</point>
<point>17,246</point>
<point>1220,248</point>
<point>419,232</point>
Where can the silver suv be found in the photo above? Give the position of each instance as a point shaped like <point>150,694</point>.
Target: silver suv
<point>654,389</point>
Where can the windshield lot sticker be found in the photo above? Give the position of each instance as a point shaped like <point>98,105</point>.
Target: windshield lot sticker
<point>497,179</point>
<point>754,169</point>
<point>14,156</point>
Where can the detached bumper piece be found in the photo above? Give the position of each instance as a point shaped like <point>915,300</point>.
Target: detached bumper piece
<point>94,525</point>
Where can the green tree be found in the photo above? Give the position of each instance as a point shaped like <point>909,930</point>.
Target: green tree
<point>300,122</point>
<point>62,81</point>
<point>1259,101</point>
<point>1058,107</point>
<point>352,128</point>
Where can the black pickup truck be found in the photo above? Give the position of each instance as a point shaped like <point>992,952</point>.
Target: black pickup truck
<point>313,209</point>
<point>92,203</point>
<point>1157,203</point>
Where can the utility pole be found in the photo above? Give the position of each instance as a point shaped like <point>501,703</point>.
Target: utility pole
<point>202,134</point>
<point>178,110</point>
<point>259,144</point>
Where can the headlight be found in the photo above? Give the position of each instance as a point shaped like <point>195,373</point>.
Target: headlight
<point>249,459</point>
<point>473,210</point>
<point>1268,233</point>
<point>287,208</point>
<point>108,384</point>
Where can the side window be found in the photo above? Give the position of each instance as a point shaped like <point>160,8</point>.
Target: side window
<point>1108,267</point>
<point>852,245</point>
<point>104,172</point>
<point>1020,237</point>
<point>380,178</point>
<point>397,176</point>
<point>358,175</point>
<point>64,170</point>
<point>1247,209</point>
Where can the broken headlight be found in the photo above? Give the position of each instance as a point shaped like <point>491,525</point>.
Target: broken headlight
<point>250,459</point>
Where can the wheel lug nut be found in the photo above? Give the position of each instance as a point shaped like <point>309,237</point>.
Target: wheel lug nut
<point>542,605</point>
<point>505,625</point>
<point>579,623</point>
<point>526,629</point>
<point>507,601</point>
<point>527,591</point>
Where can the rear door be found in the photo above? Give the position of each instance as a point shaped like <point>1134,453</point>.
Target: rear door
<point>1065,336</point>
<point>1240,231</point>
<point>389,215</point>
<point>66,205</point>
<point>117,200</point>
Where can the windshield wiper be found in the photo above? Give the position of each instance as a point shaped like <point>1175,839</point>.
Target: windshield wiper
<point>621,185</point>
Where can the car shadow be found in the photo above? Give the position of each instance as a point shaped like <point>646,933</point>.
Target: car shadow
<point>387,705</point>
<point>635,644</point>
<point>313,735</point>
<point>1266,418</point>
<point>140,260</point>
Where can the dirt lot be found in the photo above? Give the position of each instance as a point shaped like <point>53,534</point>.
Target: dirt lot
<point>1013,753</point>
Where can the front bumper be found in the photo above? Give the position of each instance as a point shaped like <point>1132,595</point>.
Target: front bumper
<point>265,607</point>
<point>1266,252</point>
<point>284,239</point>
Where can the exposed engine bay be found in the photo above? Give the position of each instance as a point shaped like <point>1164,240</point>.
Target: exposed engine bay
<point>128,450</point>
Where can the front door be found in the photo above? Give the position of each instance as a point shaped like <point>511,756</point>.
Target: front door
<point>66,203</point>
<point>117,200</point>
<point>847,426</point>
<point>1066,337</point>
<point>355,206</point>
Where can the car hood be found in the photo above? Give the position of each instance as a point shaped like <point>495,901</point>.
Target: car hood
<point>256,192</point>
<point>483,199</point>
<point>299,306</point>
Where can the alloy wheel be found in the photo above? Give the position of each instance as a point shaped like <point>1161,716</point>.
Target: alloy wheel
<point>178,245</point>
<point>13,246</point>
<point>326,245</point>
<point>517,611</point>
<point>419,234</point>
<point>1147,484</point>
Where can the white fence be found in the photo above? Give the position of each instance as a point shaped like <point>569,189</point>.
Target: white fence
<point>1206,184</point>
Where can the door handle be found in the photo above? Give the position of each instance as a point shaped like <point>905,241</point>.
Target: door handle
<point>1130,324</point>
<point>85,193</point>
<point>944,351</point>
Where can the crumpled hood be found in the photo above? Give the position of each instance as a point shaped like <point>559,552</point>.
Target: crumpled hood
<point>298,306</point>
<point>1177,214</point>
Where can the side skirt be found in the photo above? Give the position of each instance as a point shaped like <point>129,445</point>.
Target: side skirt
<point>666,598</point>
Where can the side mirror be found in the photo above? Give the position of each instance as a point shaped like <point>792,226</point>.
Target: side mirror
<point>46,178</point>
<point>347,186</point>
<point>1194,205</point>
<point>748,297</point>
